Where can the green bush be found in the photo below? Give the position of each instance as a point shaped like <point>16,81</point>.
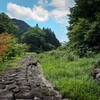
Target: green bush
<point>20,48</point>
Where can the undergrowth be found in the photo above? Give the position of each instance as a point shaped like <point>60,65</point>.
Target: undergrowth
<point>71,75</point>
<point>14,62</point>
<point>9,64</point>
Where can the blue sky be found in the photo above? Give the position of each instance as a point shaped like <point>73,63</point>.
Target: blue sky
<point>45,13</point>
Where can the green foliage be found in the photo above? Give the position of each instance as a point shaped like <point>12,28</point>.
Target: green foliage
<point>23,27</point>
<point>84,29</point>
<point>12,49</point>
<point>12,26</point>
<point>20,48</point>
<point>9,47</point>
<point>70,75</point>
<point>97,64</point>
<point>16,50</point>
<point>9,64</point>
<point>34,37</point>
<point>49,47</point>
<point>71,56</point>
<point>37,40</point>
<point>50,37</point>
<point>6,24</point>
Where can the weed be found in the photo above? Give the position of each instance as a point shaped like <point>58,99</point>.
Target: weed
<point>71,76</point>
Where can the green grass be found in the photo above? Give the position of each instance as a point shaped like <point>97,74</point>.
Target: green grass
<point>30,54</point>
<point>71,75</point>
<point>68,73</point>
<point>14,62</point>
<point>9,64</point>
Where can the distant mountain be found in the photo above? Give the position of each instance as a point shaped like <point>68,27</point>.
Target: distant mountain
<point>36,38</point>
<point>23,27</point>
<point>7,25</point>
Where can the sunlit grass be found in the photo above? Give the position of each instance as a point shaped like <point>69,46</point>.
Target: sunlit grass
<point>71,78</point>
<point>30,53</point>
<point>9,64</point>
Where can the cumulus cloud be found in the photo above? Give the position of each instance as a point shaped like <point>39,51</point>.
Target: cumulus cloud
<point>37,13</point>
<point>61,9</point>
<point>40,14</point>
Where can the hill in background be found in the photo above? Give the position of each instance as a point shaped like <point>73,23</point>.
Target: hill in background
<point>37,39</point>
<point>23,26</point>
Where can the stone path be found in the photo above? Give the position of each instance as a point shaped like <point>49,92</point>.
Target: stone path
<point>26,83</point>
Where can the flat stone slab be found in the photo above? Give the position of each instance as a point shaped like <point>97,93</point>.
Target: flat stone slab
<point>2,86</point>
<point>11,87</point>
<point>24,94</point>
<point>6,95</point>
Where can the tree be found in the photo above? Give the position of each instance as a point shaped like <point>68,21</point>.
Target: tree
<point>7,46</point>
<point>23,27</point>
<point>4,47</point>
<point>84,29</point>
<point>6,24</point>
<point>39,39</point>
<point>51,38</point>
<point>34,38</point>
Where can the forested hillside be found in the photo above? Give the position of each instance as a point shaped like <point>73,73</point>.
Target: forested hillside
<point>36,39</point>
<point>23,27</point>
<point>7,25</point>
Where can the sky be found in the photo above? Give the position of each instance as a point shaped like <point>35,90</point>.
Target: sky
<point>45,13</point>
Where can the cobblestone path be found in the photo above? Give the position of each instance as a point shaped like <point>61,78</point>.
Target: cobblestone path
<point>26,83</point>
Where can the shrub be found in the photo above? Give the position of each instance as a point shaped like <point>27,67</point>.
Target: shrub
<point>4,45</point>
<point>21,48</point>
<point>9,47</point>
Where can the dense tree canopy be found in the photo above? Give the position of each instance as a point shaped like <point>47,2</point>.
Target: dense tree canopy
<point>40,40</point>
<point>23,27</point>
<point>34,39</point>
<point>7,25</point>
<point>84,29</point>
<point>50,37</point>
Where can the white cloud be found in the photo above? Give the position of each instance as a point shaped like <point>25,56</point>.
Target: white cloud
<point>59,12</point>
<point>43,2</point>
<point>38,13</point>
<point>61,9</point>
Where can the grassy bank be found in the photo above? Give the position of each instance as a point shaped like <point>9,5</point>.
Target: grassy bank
<point>14,62</point>
<point>71,75</point>
<point>8,64</point>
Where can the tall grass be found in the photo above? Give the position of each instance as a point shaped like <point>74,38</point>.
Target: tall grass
<point>8,64</point>
<point>71,75</point>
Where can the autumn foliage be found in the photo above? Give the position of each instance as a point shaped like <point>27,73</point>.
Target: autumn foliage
<point>4,47</point>
<point>6,43</point>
